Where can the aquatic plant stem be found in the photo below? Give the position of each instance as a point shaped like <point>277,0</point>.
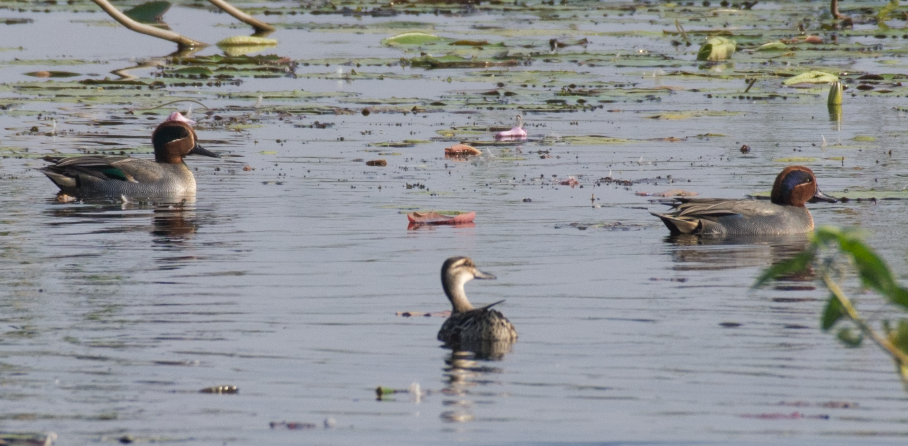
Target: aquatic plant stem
<point>261,28</point>
<point>182,41</point>
<point>899,356</point>
<point>834,8</point>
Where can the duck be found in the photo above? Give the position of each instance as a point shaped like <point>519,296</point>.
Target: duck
<point>468,325</point>
<point>95,176</point>
<point>785,213</point>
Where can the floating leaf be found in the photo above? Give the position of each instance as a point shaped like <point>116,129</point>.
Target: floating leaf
<point>716,49</point>
<point>811,77</point>
<point>52,74</point>
<point>777,45</point>
<point>413,38</point>
<point>246,41</point>
<point>864,138</point>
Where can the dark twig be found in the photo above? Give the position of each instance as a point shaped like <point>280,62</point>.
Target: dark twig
<point>261,28</point>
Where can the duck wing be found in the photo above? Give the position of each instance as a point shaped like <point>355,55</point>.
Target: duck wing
<point>704,215</point>
<point>103,168</point>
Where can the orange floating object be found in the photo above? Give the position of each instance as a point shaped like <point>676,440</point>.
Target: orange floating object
<point>434,218</point>
<point>462,150</point>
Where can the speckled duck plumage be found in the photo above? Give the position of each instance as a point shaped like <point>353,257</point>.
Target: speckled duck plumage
<point>468,325</point>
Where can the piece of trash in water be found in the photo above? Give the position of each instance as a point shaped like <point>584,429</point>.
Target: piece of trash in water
<point>445,313</point>
<point>461,150</point>
<point>380,163</point>
<point>291,425</point>
<point>517,133</point>
<point>221,390</point>
<point>414,390</point>
<point>247,168</point>
<point>63,198</point>
<point>570,181</point>
<point>668,193</point>
<point>434,218</point>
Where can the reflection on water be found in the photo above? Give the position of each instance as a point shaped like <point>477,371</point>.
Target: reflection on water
<point>463,375</point>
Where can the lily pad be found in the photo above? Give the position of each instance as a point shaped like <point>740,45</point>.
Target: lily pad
<point>246,41</point>
<point>52,74</point>
<point>812,77</point>
<point>716,49</point>
<point>414,39</point>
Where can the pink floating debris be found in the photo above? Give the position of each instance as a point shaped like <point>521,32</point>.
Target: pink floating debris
<point>434,218</point>
<point>177,116</point>
<point>517,133</point>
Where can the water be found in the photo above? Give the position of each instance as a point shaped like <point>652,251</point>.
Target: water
<point>284,280</point>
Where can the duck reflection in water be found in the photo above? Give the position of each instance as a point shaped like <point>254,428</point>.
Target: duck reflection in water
<point>472,334</point>
<point>463,374</point>
<point>704,253</point>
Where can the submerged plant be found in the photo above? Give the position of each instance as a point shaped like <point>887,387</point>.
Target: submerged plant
<point>829,251</point>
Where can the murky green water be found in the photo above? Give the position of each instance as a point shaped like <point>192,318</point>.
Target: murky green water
<point>284,279</point>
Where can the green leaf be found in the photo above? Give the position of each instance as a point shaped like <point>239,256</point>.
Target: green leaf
<point>150,12</point>
<point>850,337</point>
<point>796,264</point>
<point>833,312</point>
<point>414,38</point>
<point>246,41</point>
<point>772,46</point>
<point>811,77</point>
<point>716,49</point>
<point>899,336</point>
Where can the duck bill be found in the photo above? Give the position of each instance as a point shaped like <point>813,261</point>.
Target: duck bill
<point>820,196</point>
<point>477,274</point>
<point>199,150</point>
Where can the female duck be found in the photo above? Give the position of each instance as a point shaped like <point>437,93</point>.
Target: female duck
<point>784,214</point>
<point>468,325</point>
<point>115,176</point>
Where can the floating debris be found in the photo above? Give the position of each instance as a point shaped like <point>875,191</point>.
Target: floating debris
<point>226,390</point>
<point>379,163</point>
<point>435,218</point>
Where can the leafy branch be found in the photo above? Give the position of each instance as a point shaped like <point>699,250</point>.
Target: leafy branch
<point>828,246</point>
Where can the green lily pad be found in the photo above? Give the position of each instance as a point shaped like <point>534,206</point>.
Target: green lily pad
<point>246,41</point>
<point>811,77</point>
<point>414,39</point>
<point>772,46</point>
<point>716,49</point>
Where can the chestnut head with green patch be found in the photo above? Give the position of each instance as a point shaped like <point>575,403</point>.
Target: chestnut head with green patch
<point>795,186</point>
<point>173,140</point>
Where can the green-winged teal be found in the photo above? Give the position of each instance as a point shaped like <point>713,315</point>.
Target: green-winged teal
<point>114,176</point>
<point>785,213</point>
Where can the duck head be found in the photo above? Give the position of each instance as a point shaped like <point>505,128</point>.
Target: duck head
<point>173,140</point>
<point>455,272</point>
<point>795,186</point>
